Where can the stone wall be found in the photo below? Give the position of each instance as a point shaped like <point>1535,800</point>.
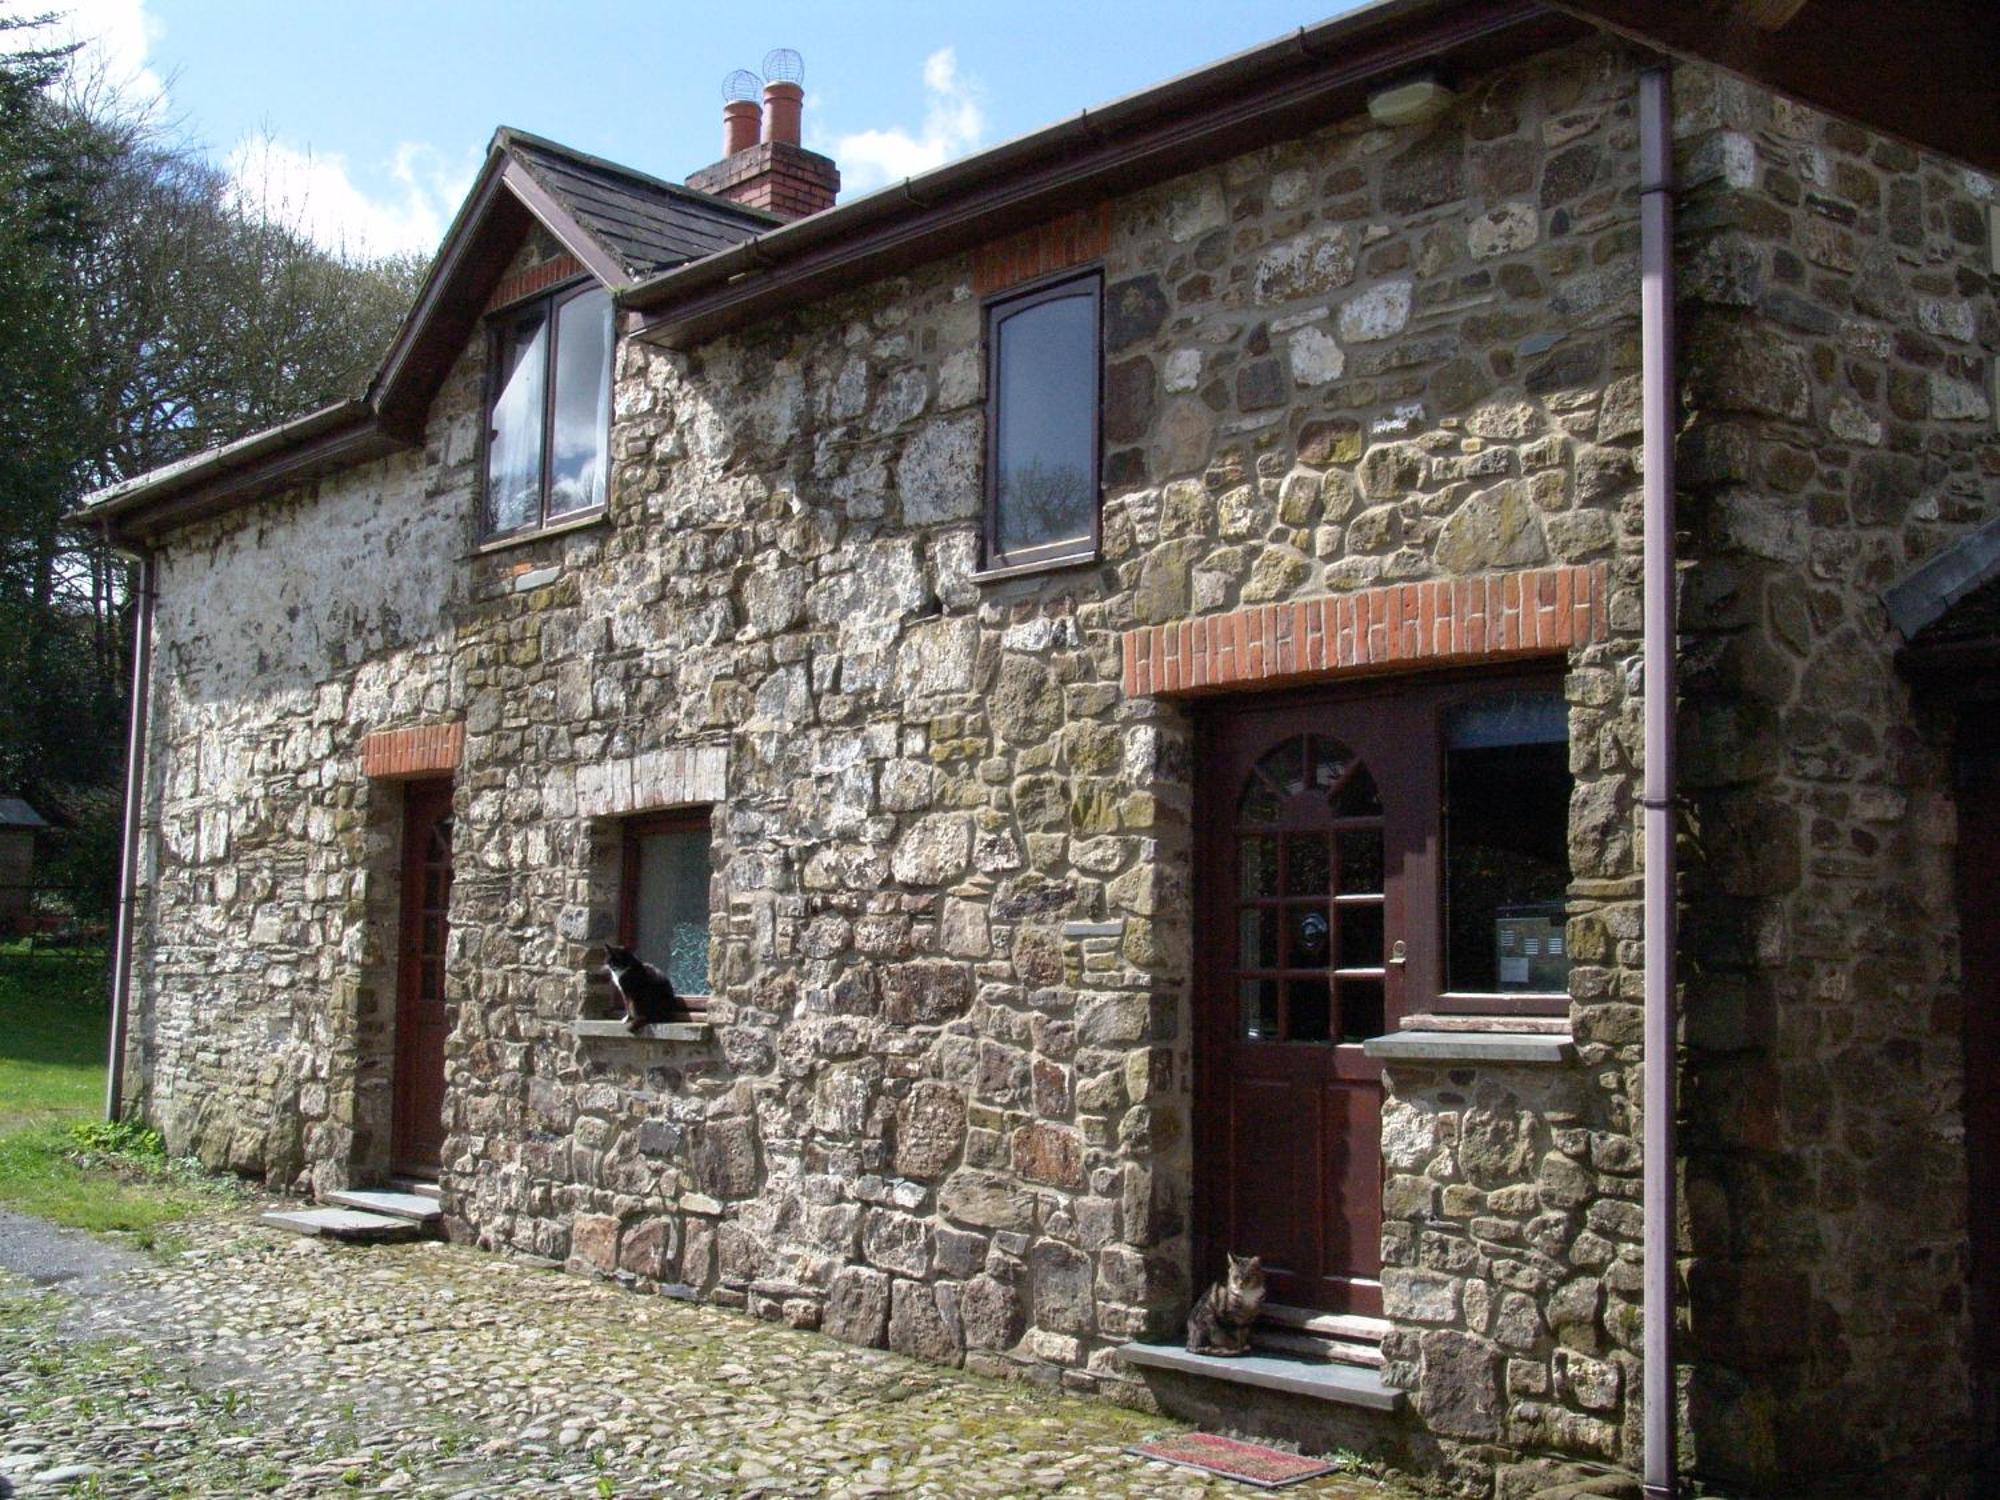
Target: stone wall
<point>947,1102</point>
<point>1840,327</point>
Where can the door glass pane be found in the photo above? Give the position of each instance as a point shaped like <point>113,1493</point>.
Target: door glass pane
<point>1284,769</point>
<point>1260,867</point>
<point>1045,442</point>
<point>1506,828</point>
<point>1309,1010</point>
<point>1356,797</point>
<point>1259,937</point>
<point>1260,1009</point>
<point>1360,1009</point>
<point>1306,864</point>
<point>514,433</point>
<point>583,403</point>
<point>1360,853</point>
<point>1306,937</point>
<point>670,927</point>
<point>1361,937</point>
<point>1330,762</point>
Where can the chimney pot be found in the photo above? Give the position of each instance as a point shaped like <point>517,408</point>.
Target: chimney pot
<point>783,104</point>
<point>741,121</point>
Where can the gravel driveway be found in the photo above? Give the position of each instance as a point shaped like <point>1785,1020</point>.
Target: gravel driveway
<point>259,1363</point>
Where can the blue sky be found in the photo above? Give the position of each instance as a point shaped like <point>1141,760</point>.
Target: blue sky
<point>366,119</point>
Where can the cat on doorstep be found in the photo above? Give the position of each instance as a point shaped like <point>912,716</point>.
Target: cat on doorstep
<point>1223,1315</point>
<point>648,995</point>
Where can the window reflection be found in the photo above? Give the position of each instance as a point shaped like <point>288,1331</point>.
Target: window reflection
<point>1507,787</point>
<point>1045,396</point>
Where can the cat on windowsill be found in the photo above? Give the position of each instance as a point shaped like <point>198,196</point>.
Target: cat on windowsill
<point>647,994</point>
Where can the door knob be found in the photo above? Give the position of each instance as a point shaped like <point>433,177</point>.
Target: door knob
<point>1398,954</point>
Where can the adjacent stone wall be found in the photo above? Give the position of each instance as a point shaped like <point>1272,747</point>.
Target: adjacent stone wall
<point>1840,328</point>
<point>946,1105</point>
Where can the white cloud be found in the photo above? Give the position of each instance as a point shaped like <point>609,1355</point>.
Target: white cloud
<point>315,192</point>
<point>115,37</point>
<point>953,124</point>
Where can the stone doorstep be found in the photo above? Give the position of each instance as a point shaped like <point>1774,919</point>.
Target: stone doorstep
<point>416,1207</point>
<point>1346,1385</point>
<point>1316,1348</point>
<point>343,1224</point>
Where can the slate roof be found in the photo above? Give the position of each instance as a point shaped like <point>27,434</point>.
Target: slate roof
<point>647,223</point>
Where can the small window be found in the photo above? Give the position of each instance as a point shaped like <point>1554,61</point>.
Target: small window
<point>1043,375</point>
<point>548,425</point>
<point>663,911</point>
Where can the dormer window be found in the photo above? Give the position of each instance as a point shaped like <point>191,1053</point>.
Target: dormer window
<point>548,426</point>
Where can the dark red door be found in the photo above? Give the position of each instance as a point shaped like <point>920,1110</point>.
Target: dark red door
<point>1979,947</point>
<point>421,1023</point>
<point>1302,817</point>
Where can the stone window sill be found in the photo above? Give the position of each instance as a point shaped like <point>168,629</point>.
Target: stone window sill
<point>578,522</point>
<point>1459,1048</point>
<point>1036,569</point>
<point>696,1032</point>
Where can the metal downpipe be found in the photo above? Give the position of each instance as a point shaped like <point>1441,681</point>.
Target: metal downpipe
<point>1661,692</point>
<point>128,864</point>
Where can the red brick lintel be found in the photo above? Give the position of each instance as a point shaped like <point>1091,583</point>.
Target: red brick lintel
<point>1435,623</point>
<point>1072,240</point>
<point>535,279</point>
<point>423,750</point>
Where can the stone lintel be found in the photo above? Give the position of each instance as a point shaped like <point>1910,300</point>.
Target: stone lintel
<point>1450,1048</point>
<point>682,777</point>
<point>664,1031</point>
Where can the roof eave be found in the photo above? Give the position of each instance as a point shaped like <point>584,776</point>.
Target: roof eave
<point>132,514</point>
<point>1319,74</point>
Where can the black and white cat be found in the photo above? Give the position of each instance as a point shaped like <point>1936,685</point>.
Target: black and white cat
<point>648,994</point>
<point>1222,1316</point>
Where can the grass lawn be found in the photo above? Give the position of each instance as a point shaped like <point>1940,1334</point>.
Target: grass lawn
<point>52,1045</point>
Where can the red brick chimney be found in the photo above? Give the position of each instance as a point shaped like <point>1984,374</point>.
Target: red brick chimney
<point>775,174</point>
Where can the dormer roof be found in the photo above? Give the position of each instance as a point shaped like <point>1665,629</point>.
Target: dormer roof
<point>621,225</point>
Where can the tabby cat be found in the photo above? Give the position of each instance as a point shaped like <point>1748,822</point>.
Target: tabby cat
<point>1220,1322</point>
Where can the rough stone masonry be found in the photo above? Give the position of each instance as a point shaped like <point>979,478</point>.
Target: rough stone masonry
<point>946,1106</point>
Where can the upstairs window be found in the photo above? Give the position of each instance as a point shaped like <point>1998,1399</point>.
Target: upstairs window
<point>548,428</point>
<point>1044,365</point>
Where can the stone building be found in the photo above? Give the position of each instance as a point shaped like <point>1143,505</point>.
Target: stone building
<point>1072,879</point>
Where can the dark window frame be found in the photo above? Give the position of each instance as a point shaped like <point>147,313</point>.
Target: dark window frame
<point>499,325</point>
<point>632,831</point>
<point>1071,282</point>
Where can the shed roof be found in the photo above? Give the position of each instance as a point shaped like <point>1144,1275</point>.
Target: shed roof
<point>15,813</point>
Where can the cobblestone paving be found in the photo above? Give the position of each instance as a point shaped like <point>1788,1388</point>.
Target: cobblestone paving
<point>257,1363</point>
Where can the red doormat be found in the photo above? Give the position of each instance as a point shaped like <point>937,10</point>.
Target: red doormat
<point>1267,1468</point>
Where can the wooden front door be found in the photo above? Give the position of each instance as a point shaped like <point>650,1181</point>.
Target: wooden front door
<point>1300,809</point>
<point>421,1023</point>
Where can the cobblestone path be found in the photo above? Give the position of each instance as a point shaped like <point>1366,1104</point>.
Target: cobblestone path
<point>257,1363</point>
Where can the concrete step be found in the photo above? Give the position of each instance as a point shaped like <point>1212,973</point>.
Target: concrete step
<point>1347,1385</point>
<point>418,1185</point>
<point>418,1208</point>
<point>344,1224</point>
